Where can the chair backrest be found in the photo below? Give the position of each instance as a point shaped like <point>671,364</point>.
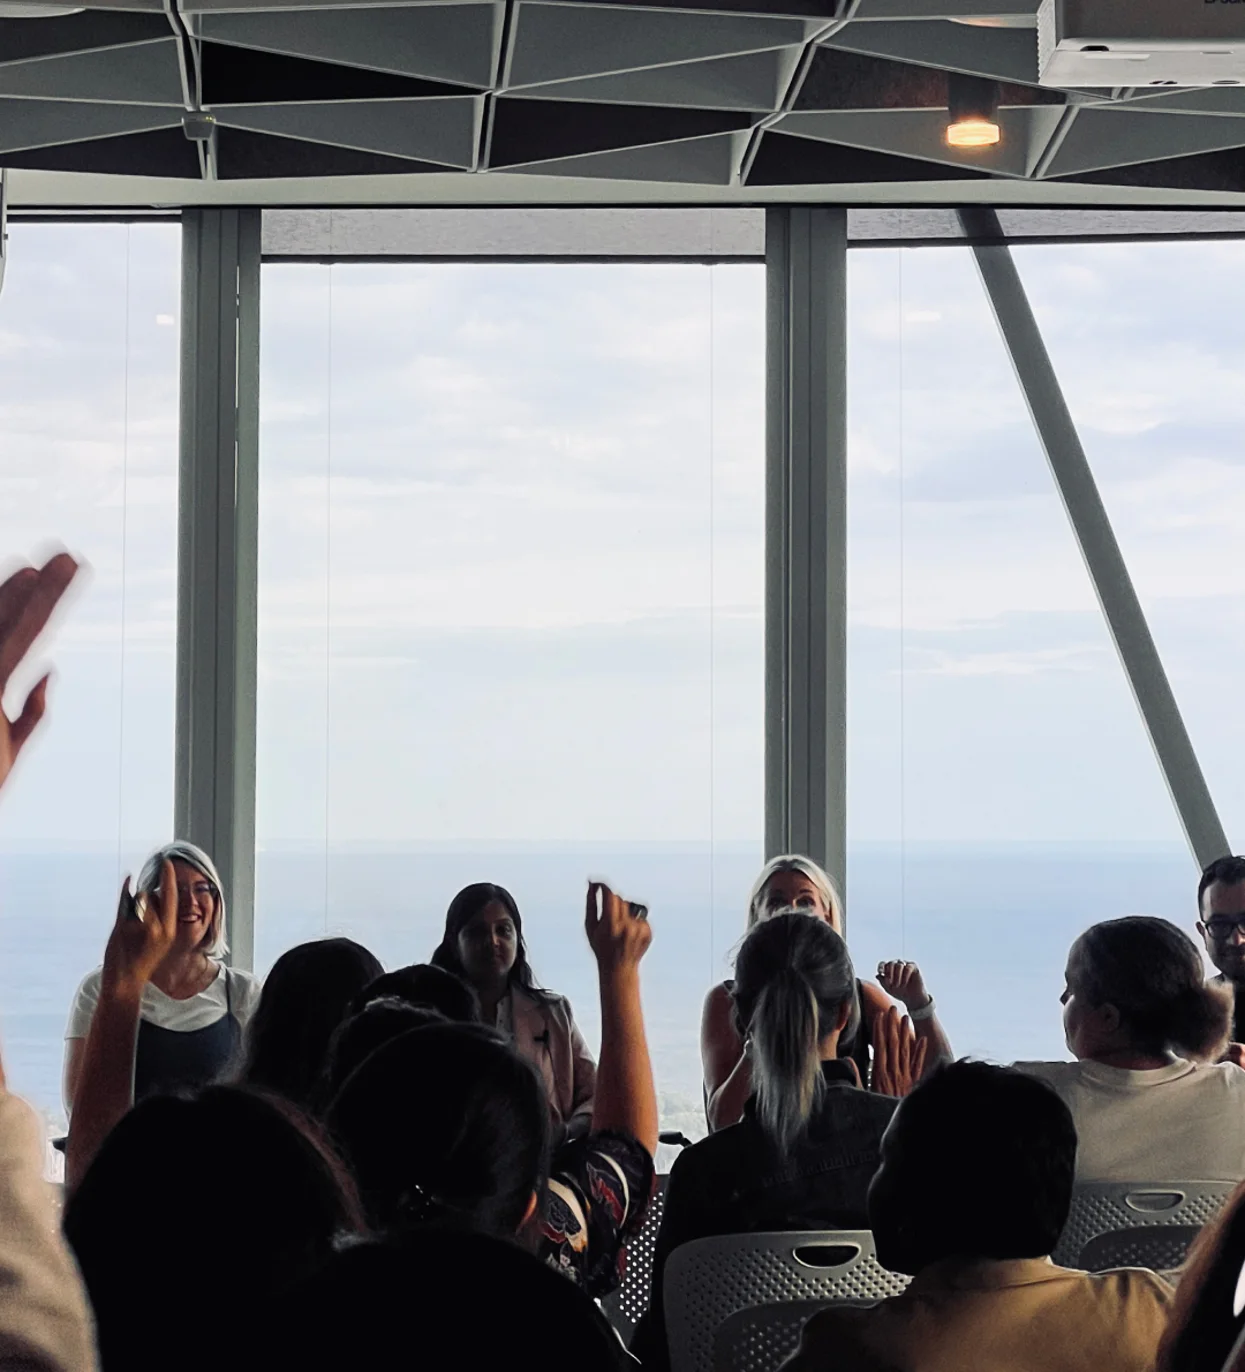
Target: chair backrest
<point>625,1306</point>
<point>709,1280</point>
<point>762,1337</point>
<point>1137,1224</point>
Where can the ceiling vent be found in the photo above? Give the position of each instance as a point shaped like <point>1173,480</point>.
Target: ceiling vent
<point>1139,43</point>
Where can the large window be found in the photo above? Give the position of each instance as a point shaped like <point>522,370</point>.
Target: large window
<point>511,584</point>
<point>1149,343</point>
<point>1002,792</point>
<point>88,414</point>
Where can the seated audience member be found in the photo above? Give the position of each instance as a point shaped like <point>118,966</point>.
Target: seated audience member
<point>1206,1332</point>
<point>1221,923</point>
<point>465,1300</point>
<point>809,1143</point>
<point>972,1195</point>
<point>184,1194</point>
<point>194,1007</point>
<point>483,944</point>
<point>795,882</point>
<point>358,1037</point>
<point>424,985</point>
<point>448,1127</point>
<point>45,1325</point>
<point>306,996</point>
<point>1149,1100</point>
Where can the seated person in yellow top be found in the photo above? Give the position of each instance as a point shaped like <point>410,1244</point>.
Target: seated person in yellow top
<point>973,1192</point>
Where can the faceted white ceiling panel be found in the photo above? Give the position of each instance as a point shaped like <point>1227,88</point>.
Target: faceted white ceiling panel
<point>437,130</point>
<point>437,42</point>
<point>805,94</point>
<point>557,42</point>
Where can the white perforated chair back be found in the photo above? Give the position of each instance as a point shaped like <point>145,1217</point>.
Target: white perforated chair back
<point>709,1280</point>
<point>763,1337</point>
<point>625,1306</point>
<point>1137,1224</point>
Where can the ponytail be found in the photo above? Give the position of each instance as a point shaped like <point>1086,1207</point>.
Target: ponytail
<point>1201,1019</point>
<point>793,978</point>
<point>786,1056</point>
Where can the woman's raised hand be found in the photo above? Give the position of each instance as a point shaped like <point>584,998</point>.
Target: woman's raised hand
<point>903,980</point>
<point>898,1055</point>
<point>27,599</point>
<point>142,935</point>
<point>618,936</point>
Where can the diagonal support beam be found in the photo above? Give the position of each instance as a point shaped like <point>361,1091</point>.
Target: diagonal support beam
<point>1095,536</point>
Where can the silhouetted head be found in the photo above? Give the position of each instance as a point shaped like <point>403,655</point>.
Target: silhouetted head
<point>356,1038</point>
<point>483,940</point>
<point>445,1126</point>
<point>425,985</point>
<point>978,1162</point>
<point>460,1300</point>
<point>794,882</point>
<point>794,988</point>
<point>1138,983</point>
<point>186,1193</point>
<point>305,997</point>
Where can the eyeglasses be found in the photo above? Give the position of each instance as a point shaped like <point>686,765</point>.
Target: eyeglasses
<point>202,891</point>
<point>1222,927</point>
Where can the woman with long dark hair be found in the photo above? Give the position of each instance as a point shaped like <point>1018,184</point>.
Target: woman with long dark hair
<point>305,998</point>
<point>483,944</point>
<point>446,1128</point>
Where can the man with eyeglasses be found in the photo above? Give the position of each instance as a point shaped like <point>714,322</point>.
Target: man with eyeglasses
<point>1221,907</point>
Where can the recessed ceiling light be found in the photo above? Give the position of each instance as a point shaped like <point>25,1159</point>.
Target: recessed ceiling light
<point>972,111</point>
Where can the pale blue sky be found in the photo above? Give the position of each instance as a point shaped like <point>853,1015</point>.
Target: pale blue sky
<point>545,543</point>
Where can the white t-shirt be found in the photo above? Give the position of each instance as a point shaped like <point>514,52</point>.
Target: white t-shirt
<point>196,1012</point>
<point>1182,1122</point>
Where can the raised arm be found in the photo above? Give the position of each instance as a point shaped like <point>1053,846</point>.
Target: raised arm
<point>27,599</point>
<point>44,1322</point>
<point>105,1091</point>
<point>625,1097</point>
<point>903,980</point>
<point>728,1073</point>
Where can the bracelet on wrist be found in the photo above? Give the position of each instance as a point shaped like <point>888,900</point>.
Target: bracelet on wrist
<point>926,1011</point>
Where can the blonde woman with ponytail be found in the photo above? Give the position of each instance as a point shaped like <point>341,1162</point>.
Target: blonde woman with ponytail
<point>796,883</point>
<point>809,1143</point>
<point>1149,1098</point>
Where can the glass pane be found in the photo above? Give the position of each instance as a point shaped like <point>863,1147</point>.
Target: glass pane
<point>1002,792</point>
<point>511,588</point>
<point>89,414</point>
<point>1148,340</point>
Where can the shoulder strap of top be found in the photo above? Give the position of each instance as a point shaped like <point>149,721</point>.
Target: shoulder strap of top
<point>228,990</point>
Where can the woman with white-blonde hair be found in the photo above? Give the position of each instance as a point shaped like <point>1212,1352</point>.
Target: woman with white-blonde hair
<point>794,882</point>
<point>194,1008</point>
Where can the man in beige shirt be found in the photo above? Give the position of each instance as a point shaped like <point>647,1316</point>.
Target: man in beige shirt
<point>972,1194</point>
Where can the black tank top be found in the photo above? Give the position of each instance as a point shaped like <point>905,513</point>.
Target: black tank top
<point>169,1059</point>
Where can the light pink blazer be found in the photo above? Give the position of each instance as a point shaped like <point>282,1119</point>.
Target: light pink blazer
<point>548,1037</point>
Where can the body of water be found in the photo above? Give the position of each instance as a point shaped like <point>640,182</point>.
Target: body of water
<point>990,926</point>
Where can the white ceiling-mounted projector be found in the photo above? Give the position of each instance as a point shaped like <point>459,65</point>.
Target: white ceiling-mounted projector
<point>1141,43</point>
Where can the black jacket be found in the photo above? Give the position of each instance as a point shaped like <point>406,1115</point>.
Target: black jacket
<point>737,1182</point>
